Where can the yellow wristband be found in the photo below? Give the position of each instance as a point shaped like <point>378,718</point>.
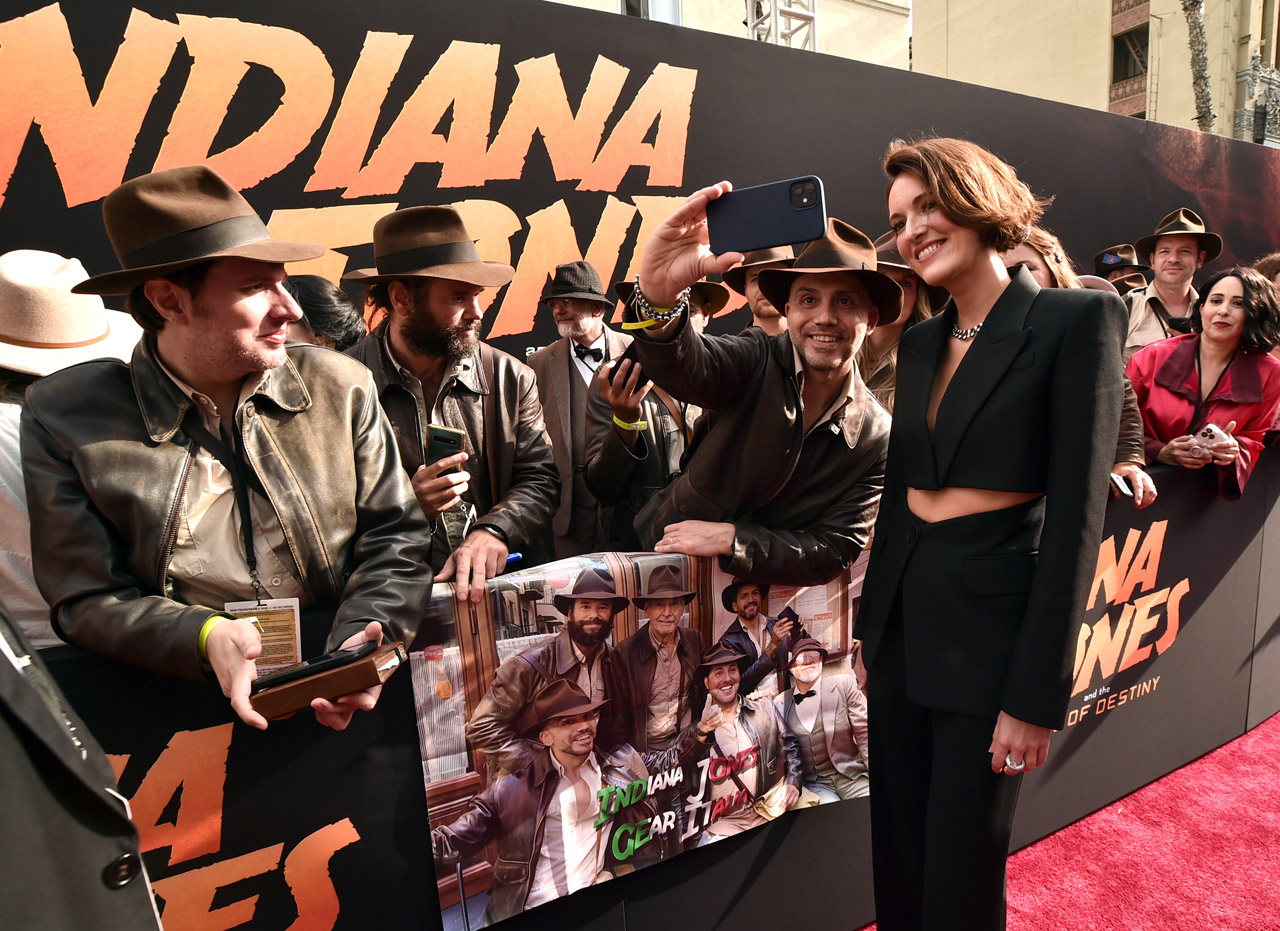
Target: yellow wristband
<point>639,324</point>
<point>202,643</point>
<point>634,427</point>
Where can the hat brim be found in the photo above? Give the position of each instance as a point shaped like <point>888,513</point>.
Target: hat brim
<point>736,277</point>
<point>533,730</point>
<point>730,592</point>
<point>564,603</point>
<point>483,274</point>
<point>687,597</point>
<point>886,294</point>
<point>122,335</point>
<point>577,296</point>
<point>264,250</point>
<point>725,660</point>
<point>1210,244</point>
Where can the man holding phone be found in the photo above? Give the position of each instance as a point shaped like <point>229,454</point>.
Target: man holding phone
<point>497,495</point>
<point>784,484</point>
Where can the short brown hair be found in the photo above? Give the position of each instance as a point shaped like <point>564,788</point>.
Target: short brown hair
<point>1055,257</point>
<point>1268,266</point>
<point>144,312</point>
<point>973,188</point>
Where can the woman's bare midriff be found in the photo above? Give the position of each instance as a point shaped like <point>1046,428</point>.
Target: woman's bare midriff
<point>946,503</point>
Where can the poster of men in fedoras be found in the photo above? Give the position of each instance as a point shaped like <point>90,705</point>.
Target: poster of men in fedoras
<point>599,714</point>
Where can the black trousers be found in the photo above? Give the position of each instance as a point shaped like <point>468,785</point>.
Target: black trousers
<point>940,818</point>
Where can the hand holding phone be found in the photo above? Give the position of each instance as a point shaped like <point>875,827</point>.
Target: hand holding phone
<point>780,213</point>
<point>678,253</point>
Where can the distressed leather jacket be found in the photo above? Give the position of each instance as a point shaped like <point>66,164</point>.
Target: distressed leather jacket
<point>802,505</point>
<point>639,658</point>
<point>106,462</point>
<point>513,812</point>
<point>779,756</point>
<point>502,715</point>
<point>528,485</point>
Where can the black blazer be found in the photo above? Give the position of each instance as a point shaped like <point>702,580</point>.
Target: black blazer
<point>1034,406</point>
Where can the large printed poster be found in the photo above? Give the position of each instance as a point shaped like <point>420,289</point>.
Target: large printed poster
<point>597,715</point>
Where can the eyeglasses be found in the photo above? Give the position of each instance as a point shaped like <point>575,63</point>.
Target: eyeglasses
<point>807,658</point>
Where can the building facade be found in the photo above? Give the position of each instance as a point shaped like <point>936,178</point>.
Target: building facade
<point>1137,58</point>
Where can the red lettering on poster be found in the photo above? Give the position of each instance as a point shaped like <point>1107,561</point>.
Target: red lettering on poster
<point>188,897</point>
<point>44,85</point>
<point>196,763</point>
<point>306,870</point>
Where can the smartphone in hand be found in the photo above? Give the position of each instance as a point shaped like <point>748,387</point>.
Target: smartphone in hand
<point>632,355</point>
<point>443,442</point>
<point>776,214</point>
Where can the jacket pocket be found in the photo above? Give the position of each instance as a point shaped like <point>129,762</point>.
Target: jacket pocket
<point>1002,574</point>
<point>510,872</point>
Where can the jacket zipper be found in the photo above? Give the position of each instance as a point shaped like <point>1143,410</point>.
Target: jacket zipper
<point>171,526</point>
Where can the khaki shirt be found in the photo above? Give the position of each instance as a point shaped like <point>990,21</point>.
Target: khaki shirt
<point>1145,322</point>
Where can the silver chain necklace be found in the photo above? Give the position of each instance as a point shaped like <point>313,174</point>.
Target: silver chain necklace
<point>968,333</point>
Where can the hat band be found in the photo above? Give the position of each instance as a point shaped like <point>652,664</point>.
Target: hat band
<point>34,344</point>
<point>199,243</point>
<point>828,258</point>
<point>410,260</point>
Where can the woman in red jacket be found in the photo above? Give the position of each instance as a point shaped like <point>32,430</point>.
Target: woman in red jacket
<point>1220,374</point>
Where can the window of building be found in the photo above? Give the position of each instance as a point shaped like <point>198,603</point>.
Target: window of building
<point>663,11</point>
<point>1129,54</point>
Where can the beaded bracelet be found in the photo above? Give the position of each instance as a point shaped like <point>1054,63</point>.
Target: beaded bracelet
<point>659,313</point>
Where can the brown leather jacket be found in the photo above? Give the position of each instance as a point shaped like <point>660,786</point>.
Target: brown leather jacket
<point>528,489</point>
<point>513,812</point>
<point>639,658</point>
<point>106,461</point>
<point>802,506</point>
<point>501,717</point>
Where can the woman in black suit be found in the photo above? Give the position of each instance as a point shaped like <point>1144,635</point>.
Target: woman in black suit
<point>1004,433</point>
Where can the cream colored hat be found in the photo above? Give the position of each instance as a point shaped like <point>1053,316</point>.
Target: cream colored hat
<point>44,327</point>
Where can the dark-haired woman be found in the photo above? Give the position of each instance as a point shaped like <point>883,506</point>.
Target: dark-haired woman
<point>329,317</point>
<point>1004,431</point>
<point>1221,374</point>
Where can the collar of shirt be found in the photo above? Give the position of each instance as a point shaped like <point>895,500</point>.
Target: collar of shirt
<point>590,767</point>
<point>585,370</point>
<point>658,647</point>
<point>209,412</point>
<point>842,398</point>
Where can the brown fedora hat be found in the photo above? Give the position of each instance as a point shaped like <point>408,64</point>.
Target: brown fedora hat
<point>1183,222</point>
<point>44,327</point>
<point>428,242</point>
<point>1121,255</point>
<point>168,220</point>
<point>559,699</point>
<point>805,645</point>
<point>842,249</point>
<point>887,255</point>
<point>595,584</point>
<point>1130,282</point>
<point>777,257</point>
<point>721,654</point>
<point>730,592</point>
<point>664,582</point>
<point>713,292</point>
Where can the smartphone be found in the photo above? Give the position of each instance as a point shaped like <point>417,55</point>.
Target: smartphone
<point>309,667</point>
<point>781,213</point>
<point>443,442</point>
<point>632,355</point>
<point>1211,433</point>
<point>1119,483</point>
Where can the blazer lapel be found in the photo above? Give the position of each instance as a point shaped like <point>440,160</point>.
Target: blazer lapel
<point>993,351</point>
<point>827,701</point>
<point>556,408</point>
<point>916,368</point>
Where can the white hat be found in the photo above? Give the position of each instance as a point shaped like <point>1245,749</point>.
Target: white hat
<point>44,327</point>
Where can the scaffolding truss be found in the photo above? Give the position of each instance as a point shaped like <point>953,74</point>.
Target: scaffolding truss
<point>793,23</point>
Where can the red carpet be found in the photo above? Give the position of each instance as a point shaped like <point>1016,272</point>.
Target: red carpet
<point>1198,849</point>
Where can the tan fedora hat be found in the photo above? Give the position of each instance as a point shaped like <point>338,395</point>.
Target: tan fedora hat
<point>428,242</point>
<point>842,249</point>
<point>167,220</point>
<point>715,293</point>
<point>1183,222</point>
<point>777,257</point>
<point>44,327</point>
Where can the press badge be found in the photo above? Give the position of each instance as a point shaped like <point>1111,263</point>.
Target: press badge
<point>279,626</point>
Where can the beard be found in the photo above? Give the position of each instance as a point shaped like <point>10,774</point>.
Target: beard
<point>423,335</point>
<point>583,639</point>
<point>577,329</point>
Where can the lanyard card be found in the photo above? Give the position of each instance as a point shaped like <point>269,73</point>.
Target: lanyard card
<point>278,624</point>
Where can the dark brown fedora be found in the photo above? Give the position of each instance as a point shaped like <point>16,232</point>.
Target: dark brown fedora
<point>805,645</point>
<point>842,249</point>
<point>596,584</point>
<point>1121,255</point>
<point>428,242</point>
<point>731,590</point>
<point>712,292</point>
<point>664,582</point>
<point>1183,222</point>
<point>559,699</point>
<point>168,220</point>
<point>887,255</point>
<point>721,654</point>
<point>777,257</point>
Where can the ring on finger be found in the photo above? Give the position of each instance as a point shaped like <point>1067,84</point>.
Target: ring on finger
<point>1017,767</point>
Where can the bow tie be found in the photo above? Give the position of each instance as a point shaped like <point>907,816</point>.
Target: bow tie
<point>586,352</point>
<point>801,696</point>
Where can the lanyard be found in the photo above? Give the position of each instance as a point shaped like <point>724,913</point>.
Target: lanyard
<point>234,461</point>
